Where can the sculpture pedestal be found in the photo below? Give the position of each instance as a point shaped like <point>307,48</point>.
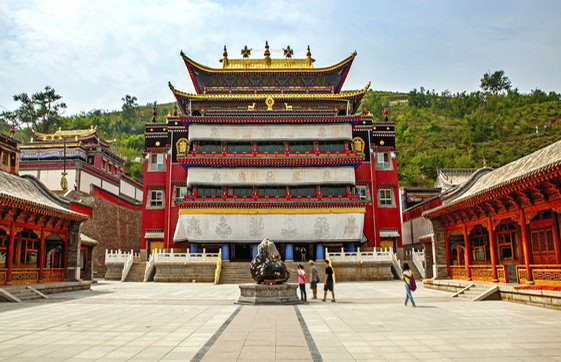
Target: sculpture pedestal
<point>269,294</point>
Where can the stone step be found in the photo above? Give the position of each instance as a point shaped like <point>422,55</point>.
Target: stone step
<point>23,293</point>
<point>136,274</point>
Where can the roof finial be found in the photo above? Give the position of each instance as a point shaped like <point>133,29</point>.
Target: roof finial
<point>309,56</point>
<point>386,114</point>
<point>267,52</point>
<point>484,161</point>
<point>288,52</point>
<point>175,110</point>
<point>225,54</point>
<point>246,52</point>
<point>154,113</point>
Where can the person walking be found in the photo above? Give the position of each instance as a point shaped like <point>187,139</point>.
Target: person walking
<point>407,278</point>
<point>328,284</point>
<point>314,279</point>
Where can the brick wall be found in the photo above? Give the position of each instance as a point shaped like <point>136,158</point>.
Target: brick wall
<point>113,226</point>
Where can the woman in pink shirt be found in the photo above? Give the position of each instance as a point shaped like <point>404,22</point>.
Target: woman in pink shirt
<point>301,281</point>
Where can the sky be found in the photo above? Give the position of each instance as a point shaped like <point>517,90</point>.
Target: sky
<point>93,53</point>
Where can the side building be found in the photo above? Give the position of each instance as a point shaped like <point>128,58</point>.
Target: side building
<point>270,148</point>
<point>40,238</point>
<point>80,165</point>
<point>503,225</point>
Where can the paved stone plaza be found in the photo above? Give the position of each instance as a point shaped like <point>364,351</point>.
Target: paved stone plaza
<point>160,321</point>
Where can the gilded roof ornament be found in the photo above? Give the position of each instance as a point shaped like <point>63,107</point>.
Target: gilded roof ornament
<point>60,134</point>
<point>309,58</point>
<point>246,52</point>
<point>288,53</point>
<point>224,60</point>
<point>267,52</point>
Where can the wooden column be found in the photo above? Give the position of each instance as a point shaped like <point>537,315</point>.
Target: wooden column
<point>556,243</point>
<point>42,255</point>
<point>467,251</point>
<point>11,254</point>
<point>492,249</point>
<point>526,247</point>
<point>65,252</point>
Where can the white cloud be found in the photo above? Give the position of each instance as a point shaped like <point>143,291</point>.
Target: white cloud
<point>95,52</point>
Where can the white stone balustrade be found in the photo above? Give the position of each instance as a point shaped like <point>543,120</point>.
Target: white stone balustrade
<point>162,257</point>
<point>117,256</point>
<point>375,255</point>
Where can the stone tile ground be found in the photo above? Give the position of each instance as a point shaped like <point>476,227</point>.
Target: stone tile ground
<point>160,321</point>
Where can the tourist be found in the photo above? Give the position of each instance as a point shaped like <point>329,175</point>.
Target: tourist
<point>407,277</point>
<point>303,254</point>
<point>314,279</point>
<point>301,281</point>
<point>328,285</point>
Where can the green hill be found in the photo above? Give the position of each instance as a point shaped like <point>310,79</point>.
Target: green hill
<point>434,130</point>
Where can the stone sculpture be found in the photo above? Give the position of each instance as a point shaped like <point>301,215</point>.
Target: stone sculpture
<point>267,265</point>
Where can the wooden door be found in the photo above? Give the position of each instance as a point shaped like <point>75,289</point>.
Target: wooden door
<point>543,249</point>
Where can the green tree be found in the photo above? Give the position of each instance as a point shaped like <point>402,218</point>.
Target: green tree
<point>495,83</point>
<point>41,111</point>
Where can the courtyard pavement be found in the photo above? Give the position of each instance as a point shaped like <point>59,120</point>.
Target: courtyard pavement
<point>167,321</point>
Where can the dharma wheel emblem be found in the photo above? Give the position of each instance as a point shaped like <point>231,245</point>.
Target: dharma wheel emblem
<point>269,102</point>
<point>182,146</point>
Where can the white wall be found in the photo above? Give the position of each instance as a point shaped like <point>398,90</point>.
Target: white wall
<point>51,178</point>
<point>86,180</point>
<point>110,187</point>
<point>127,189</point>
<point>28,172</point>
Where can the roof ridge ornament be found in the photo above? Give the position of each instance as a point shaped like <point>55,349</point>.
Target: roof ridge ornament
<point>267,52</point>
<point>288,53</point>
<point>224,60</point>
<point>309,56</point>
<point>246,52</point>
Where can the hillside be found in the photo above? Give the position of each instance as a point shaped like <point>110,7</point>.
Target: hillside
<point>434,130</point>
<point>465,130</point>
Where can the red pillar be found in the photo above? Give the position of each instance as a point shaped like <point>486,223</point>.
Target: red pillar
<point>467,250</point>
<point>65,252</point>
<point>526,247</point>
<point>42,254</point>
<point>556,243</point>
<point>492,248</point>
<point>11,254</point>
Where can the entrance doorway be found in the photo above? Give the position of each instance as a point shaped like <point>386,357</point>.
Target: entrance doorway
<point>241,252</point>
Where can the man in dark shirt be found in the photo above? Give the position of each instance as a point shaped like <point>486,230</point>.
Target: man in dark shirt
<point>328,282</point>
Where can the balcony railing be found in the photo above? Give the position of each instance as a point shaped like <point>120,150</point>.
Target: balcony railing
<point>280,158</point>
<point>272,201</point>
<point>543,274</point>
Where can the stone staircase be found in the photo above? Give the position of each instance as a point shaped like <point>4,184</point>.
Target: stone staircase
<point>235,273</point>
<point>473,291</point>
<point>21,292</point>
<point>414,269</point>
<point>136,274</point>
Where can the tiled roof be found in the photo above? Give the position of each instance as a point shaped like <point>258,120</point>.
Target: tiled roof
<point>450,177</point>
<point>540,160</point>
<point>28,191</point>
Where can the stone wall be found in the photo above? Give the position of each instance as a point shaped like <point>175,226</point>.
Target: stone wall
<point>200,271</point>
<point>114,271</point>
<point>440,249</point>
<point>114,227</point>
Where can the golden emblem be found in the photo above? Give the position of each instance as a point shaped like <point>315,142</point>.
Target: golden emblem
<point>269,102</point>
<point>358,145</point>
<point>182,146</point>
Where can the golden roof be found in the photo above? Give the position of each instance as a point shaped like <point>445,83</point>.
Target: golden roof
<point>258,65</point>
<point>71,133</point>
<point>343,94</point>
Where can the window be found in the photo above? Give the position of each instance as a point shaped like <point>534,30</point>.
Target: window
<point>331,146</point>
<point>479,243</point>
<point>271,191</point>
<point>362,191</point>
<point>242,191</point>
<point>334,190</point>
<point>271,147</point>
<point>4,158</point>
<point>90,160</point>
<point>383,161</point>
<point>103,164</point>
<point>209,191</point>
<point>157,162</point>
<point>302,190</point>
<point>302,147</point>
<point>181,192</point>
<point>110,169</point>
<point>156,199</point>
<point>29,248</point>
<point>3,248</point>
<point>209,147</point>
<point>385,198</point>
<point>506,241</point>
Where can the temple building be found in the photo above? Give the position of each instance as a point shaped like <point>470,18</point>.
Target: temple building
<point>40,238</point>
<point>80,165</point>
<point>270,148</point>
<point>502,225</point>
